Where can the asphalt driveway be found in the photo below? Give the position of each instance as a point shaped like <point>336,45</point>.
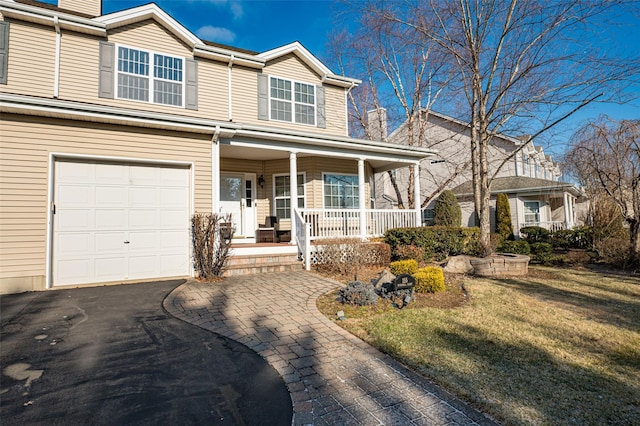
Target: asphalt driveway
<point>112,355</point>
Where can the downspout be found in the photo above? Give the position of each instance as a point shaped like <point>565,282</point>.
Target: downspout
<point>346,107</point>
<point>230,91</point>
<point>215,171</point>
<point>56,77</point>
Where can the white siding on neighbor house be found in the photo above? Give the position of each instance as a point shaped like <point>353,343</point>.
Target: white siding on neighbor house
<point>24,167</point>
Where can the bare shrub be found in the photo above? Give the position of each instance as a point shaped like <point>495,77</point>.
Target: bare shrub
<point>614,251</point>
<point>344,256</point>
<point>211,236</point>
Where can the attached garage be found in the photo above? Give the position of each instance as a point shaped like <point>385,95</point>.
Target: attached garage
<point>119,221</point>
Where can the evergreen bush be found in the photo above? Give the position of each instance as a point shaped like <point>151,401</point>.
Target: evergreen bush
<point>357,293</point>
<point>541,252</point>
<point>446,211</point>
<point>515,247</point>
<point>438,242</point>
<point>409,266</point>
<point>429,279</point>
<point>536,234</point>
<point>503,217</point>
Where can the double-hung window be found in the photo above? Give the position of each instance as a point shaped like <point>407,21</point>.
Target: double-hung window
<point>531,212</point>
<point>292,101</point>
<point>150,77</point>
<point>341,191</point>
<point>282,195</point>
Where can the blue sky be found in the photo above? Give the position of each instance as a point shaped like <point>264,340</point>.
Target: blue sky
<point>261,25</point>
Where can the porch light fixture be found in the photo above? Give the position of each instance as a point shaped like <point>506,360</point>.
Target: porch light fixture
<point>261,181</point>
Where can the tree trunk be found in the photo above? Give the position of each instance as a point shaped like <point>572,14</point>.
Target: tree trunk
<point>634,251</point>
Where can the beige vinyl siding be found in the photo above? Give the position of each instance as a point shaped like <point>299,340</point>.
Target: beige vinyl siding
<point>79,67</point>
<point>335,110</point>
<point>24,162</point>
<point>213,91</point>
<point>151,36</point>
<point>290,66</point>
<point>32,49</point>
<point>90,7</point>
<point>245,95</point>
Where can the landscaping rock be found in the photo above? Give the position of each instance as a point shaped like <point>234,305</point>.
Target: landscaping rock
<point>459,265</point>
<point>385,277</point>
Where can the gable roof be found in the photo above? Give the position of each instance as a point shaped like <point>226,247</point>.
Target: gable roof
<point>519,184</point>
<point>45,13</point>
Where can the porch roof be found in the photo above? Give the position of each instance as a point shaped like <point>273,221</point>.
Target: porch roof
<point>521,185</point>
<point>237,140</point>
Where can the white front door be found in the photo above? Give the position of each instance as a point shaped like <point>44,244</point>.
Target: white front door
<point>117,222</point>
<point>237,196</point>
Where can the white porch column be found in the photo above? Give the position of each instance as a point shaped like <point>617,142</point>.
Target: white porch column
<point>362,203</point>
<point>565,205</point>
<point>293,191</point>
<point>215,176</point>
<point>417,201</point>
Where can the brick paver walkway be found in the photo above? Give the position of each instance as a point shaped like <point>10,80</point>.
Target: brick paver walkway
<point>334,378</point>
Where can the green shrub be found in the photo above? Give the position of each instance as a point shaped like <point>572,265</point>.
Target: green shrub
<point>357,293</point>
<point>515,247</point>
<point>409,266</point>
<point>536,234</point>
<point>438,242</point>
<point>409,252</point>
<point>429,279</point>
<point>577,238</point>
<point>541,252</point>
<point>446,211</point>
<point>503,217</point>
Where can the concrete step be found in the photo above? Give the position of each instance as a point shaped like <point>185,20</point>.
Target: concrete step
<point>256,264</point>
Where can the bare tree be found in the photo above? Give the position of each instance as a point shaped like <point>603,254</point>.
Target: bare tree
<point>605,157</point>
<point>402,75</point>
<point>517,67</point>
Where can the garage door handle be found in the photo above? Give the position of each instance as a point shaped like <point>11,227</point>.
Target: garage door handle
<point>126,242</point>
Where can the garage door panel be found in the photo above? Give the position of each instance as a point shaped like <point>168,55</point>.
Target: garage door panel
<point>74,195</point>
<point>110,219</point>
<point>118,221</point>
<point>111,173</point>
<point>74,219</point>
<point>109,269</point>
<point>74,244</point>
<point>74,172</point>
<point>173,177</point>
<point>173,197</point>
<point>169,264</point>
<point>174,240</point>
<point>143,266</point>
<point>143,241</point>
<point>73,271</point>
<point>143,219</point>
<point>143,196</point>
<point>111,196</point>
<point>110,243</point>
<point>172,219</point>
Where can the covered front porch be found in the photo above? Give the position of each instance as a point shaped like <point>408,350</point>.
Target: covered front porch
<point>301,189</point>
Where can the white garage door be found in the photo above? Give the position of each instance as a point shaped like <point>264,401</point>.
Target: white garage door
<point>117,222</point>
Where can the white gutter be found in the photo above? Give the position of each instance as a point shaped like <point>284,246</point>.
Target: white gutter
<point>56,75</point>
<point>224,55</point>
<point>46,17</point>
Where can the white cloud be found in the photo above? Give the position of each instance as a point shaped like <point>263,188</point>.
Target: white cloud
<point>235,6</point>
<point>219,34</point>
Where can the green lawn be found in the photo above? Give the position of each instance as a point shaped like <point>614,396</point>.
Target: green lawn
<point>560,346</point>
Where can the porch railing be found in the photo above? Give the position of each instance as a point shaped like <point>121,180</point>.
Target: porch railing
<point>549,225</point>
<point>336,223</point>
<point>303,239</point>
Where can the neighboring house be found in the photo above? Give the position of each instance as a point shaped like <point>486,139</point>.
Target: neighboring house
<point>529,177</point>
<point>116,128</point>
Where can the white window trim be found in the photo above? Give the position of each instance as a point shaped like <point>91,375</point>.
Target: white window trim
<point>293,102</point>
<point>304,196</point>
<point>338,174</point>
<point>152,79</point>
<point>540,219</point>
